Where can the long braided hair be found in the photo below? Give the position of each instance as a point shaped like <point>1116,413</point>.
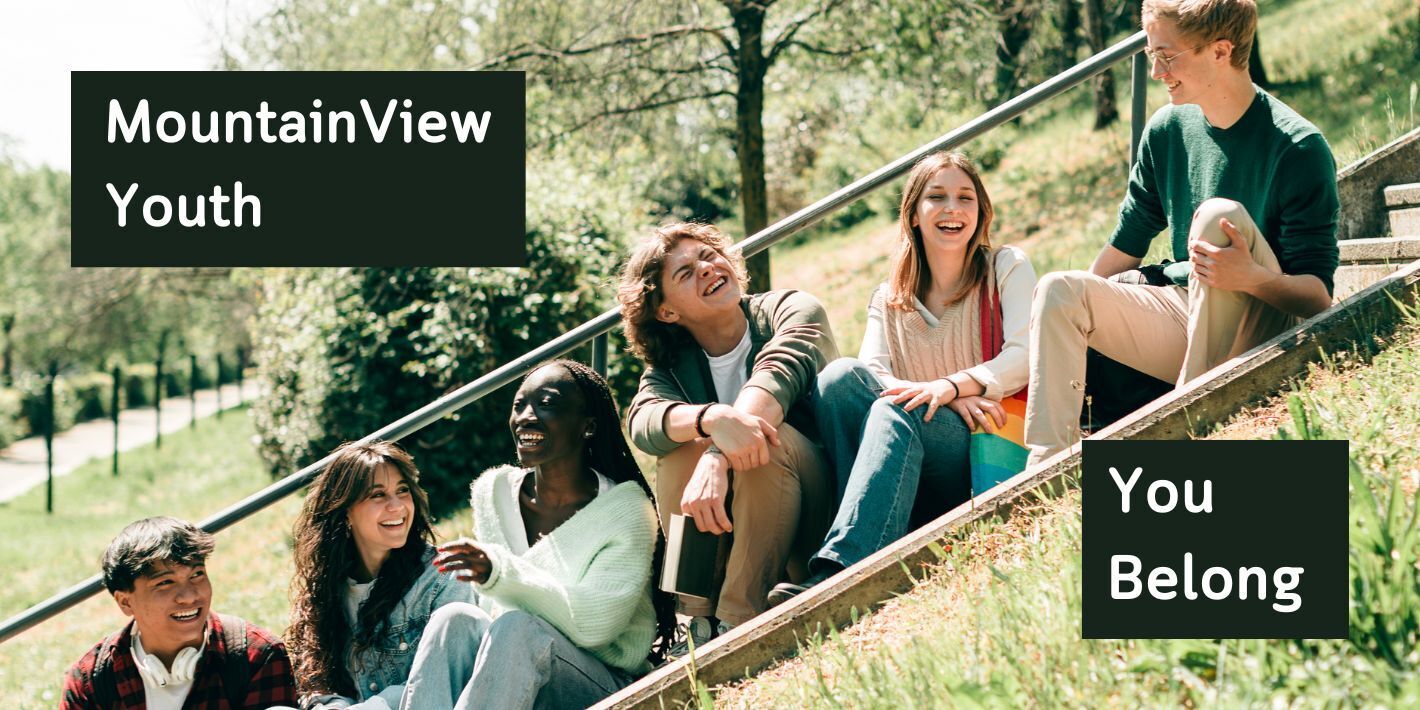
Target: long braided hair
<point>607,452</point>
<point>325,554</point>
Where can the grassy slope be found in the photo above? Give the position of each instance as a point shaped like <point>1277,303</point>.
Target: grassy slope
<point>997,623</point>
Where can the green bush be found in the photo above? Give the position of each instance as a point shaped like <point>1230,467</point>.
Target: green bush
<point>205,373</point>
<point>346,351</point>
<point>93,394</point>
<point>228,371</point>
<point>66,405</point>
<point>175,378</point>
<point>13,425</point>
<point>138,384</point>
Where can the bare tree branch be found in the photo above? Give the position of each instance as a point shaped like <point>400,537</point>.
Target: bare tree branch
<point>527,51</point>
<point>627,110</point>
<point>845,52</point>
<point>786,37</point>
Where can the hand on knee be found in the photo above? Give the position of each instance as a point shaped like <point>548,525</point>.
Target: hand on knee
<point>1229,266</point>
<point>1208,218</point>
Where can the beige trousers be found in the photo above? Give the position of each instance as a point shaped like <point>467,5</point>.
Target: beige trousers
<point>1168,332</point>
<point>781,512</point>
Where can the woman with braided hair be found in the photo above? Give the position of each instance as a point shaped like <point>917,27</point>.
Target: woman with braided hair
<point>561,557</point>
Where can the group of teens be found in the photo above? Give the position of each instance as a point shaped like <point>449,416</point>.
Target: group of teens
<point>802,462</point>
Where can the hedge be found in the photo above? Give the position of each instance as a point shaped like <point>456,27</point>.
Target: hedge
<point>13,424</point>
<point>346,351</point>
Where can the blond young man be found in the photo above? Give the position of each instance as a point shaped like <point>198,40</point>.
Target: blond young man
<point>725,406</point>
<point>1247,190</point>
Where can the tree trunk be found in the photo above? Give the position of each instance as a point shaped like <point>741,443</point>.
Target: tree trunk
<point>1255,70</point>
<point>1016,18</point>
<point>751,65</point>
<point>1069,19</point>
<point>1106,104</point>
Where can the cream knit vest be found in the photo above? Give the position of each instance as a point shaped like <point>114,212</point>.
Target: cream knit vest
<point>920,353</point>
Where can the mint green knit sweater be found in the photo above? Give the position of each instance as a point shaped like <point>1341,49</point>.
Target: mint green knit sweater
<point>590,578</point>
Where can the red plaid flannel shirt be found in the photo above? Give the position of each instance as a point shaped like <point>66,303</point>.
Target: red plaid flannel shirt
<point>271,680</point>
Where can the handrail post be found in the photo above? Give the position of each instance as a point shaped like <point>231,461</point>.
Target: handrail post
<point>192,388</point>
<point>599,354</point>
<point>219,385</point>
<point>158,401</point>
<point>117,384</point>
<point>1138,93</point>
<point>49,418</point>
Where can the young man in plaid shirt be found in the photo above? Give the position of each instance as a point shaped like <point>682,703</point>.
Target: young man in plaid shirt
<point>175,653</point>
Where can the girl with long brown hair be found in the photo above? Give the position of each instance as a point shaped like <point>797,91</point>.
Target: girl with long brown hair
<point>928,345</point>
<point>365,586</point>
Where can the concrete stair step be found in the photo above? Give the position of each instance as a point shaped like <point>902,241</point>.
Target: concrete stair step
<point>1405,222</point>
<point>1380,250</point>
<point>1403,195</point>
<point>1351,279</point>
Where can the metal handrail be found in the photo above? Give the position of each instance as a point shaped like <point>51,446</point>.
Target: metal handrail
<point>596,329</point>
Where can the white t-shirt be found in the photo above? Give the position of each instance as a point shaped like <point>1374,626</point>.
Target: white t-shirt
<point>355,595</point>
<point>513,528</point>
<point>155,696</point>
<point>729,372</point>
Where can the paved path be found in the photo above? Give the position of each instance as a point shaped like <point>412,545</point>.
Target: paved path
<point>22,465</point>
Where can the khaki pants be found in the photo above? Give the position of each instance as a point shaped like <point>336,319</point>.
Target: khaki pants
<point>780,510</point>
<point>1168,332</point>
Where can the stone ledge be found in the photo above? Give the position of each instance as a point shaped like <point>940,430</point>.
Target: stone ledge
<point>1403,195</point>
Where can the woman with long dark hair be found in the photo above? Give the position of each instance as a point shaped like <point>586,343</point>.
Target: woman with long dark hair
<point>364,586</point>
<point>562,555</point>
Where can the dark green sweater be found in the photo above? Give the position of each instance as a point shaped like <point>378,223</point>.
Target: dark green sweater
<point>1272,161</point>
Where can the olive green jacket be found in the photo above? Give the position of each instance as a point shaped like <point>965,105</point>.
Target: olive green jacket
<point>790,341</point>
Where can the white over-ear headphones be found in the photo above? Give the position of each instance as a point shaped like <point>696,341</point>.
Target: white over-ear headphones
<point>151,669</point>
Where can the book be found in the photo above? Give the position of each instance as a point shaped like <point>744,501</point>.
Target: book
<point>690,559</point>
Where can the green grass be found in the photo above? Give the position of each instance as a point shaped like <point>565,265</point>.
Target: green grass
<point>997,622</point>
<point>197,473</point>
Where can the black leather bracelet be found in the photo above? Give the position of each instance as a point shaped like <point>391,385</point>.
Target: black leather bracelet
<point>700,420</point>
<point>956,390</point>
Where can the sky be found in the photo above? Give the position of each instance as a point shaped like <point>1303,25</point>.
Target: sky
<point>41,41</point>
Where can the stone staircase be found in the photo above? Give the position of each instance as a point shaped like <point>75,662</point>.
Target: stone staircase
<point>1380,205</point>
<point>1379,277</point>
<point>1403,202</point>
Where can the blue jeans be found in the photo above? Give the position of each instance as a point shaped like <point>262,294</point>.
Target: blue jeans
<point>468,659</point>
<point>893,469</point>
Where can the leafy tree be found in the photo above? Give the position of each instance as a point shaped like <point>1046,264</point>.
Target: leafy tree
<point>621,62</point>
<point>61,318</point>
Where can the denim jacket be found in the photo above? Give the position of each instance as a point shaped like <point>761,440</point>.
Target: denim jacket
<point>384,665</point>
